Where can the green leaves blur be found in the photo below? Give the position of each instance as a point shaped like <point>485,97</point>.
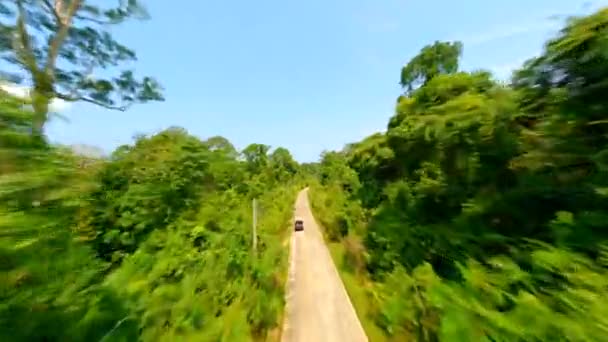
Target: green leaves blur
<point>152,243</point>
<point>49,280</point>
<point>485,204</point>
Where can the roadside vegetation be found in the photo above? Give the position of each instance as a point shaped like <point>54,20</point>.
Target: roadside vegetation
<point>481,214</point>
<point>151,243</point>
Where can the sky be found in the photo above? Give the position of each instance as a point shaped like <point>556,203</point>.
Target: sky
<point>308,75</point>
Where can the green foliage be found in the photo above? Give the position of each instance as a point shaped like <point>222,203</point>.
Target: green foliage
<point>433,60</point>
<point>329,197</point>
<point>185,206</point>
<point>198,280</point>
<point>153,244</point>
<point>486,203</point>
<point>147,186</point>
<point>371,159</point>
<point>49,279</point>
<point>283,164</point>
<point>256,156</point>
<point>57,45</point>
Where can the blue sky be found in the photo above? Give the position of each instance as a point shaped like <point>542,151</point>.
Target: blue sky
<point>306,75</point>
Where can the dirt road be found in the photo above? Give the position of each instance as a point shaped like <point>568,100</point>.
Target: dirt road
<point>318,307</point>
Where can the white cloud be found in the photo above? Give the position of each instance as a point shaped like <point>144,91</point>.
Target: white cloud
<point>56,105</point>
<point>507,32</point>
<point>504,71</point>
<point>60,106</point>
<point>15,90</point>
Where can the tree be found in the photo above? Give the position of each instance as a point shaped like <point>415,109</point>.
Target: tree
<point>334,169</point>
<point>432,60</point>
<point>222,145</point>
<point>224,165</point>
<point>283,164</point>
<point>256,157</point>
<point>147,186</point>
<point>310,169</point>
<point>59,44</point>
<point>373,160</point>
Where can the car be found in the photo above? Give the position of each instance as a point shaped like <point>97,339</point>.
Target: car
<point>299,224</point>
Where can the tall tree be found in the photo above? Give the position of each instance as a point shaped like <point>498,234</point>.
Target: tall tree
<point>283,164</point>
<point>224,165</point>
<point>432,60</point>
<point>57,45</point>
<point>256,156</point>
<point>221,145</point>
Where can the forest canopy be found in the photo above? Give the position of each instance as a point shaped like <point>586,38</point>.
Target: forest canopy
<point>481,212</point>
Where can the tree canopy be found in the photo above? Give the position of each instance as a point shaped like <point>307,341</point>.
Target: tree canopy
<point>432,60</point>
<point>484,203</point>
<point>59,48</point>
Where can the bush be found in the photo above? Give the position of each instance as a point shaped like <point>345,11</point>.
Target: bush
<point>354,255</point>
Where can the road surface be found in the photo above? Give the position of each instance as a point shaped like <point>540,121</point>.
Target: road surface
<point>318,308</point>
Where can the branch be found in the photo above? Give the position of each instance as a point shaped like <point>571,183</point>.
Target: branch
<point>26,49</point>
<point>95,20</point>
<point>73,91</point>
<point>64,27</point>
<point>104,105</point>
<point>74,98</point>
<point>53,11</point>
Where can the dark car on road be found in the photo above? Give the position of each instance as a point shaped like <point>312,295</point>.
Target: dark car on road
<point>299,224</point>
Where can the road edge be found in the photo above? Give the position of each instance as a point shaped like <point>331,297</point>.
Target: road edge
<point>335,269</point>
<point>289,283</point>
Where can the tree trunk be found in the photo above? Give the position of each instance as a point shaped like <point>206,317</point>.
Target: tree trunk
<point>41,96</point>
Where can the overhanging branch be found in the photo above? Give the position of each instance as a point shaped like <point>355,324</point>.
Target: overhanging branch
<point>75,98</point>
<point>95,20</point>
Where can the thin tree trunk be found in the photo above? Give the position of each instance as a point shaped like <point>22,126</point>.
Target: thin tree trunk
<point>41,108</point>
<point>41,95</point>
